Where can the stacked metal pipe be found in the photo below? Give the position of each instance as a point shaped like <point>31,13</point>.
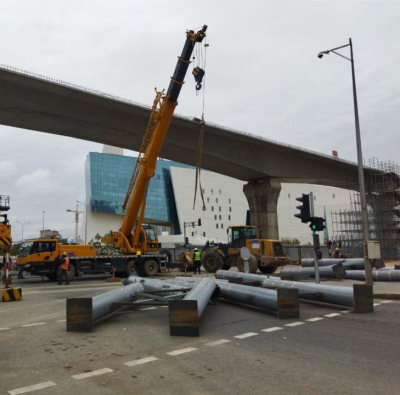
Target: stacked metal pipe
<point>335,271</point>
<point>348,263</point>
<point>284,304</point>
<point>377,275</point>
<point>325,293</point>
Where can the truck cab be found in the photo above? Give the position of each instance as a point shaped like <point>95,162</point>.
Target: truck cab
<point>41,256</point>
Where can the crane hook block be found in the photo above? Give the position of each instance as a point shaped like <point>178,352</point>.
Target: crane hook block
<point>198,76</point>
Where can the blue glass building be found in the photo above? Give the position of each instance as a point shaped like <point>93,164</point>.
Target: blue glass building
<point>107,177</point>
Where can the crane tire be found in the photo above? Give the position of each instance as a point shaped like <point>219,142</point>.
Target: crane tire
<point>168,254</point>
<point>150,268</point>
<point>52,276</point>
<point>253,264</point>
<point>130,267</point>
<point>71,272</point>
<point>212,262</point>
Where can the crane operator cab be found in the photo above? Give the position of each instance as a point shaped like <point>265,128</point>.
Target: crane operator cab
<point>148,241</point>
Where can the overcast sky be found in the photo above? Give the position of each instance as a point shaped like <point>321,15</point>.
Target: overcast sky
<point>263,77</point>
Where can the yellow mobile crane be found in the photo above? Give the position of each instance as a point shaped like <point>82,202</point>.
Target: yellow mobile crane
<point>41,256</point>
<point>130,239</point>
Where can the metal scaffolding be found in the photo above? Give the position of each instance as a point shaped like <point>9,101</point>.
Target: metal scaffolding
<point>383,197</point>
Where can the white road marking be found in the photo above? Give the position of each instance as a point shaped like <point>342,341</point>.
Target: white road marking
<point>315,319</point>
<point>4,329</point>
<point>273,329</point>
<point>164,306</point>
<point>141,361</point>
<point>35,387</point>
<point>377,304</point>
<point>61,321</point>
<point>387,301</point>
<point>149,308</point>
<point>36,324</point>
<point>295,324</point>
<point>90,374</point>
<point>245,335</point>
<point>217,343</point>
<point>332,315</point>
<point>182,351</point>
<point>345,311</point>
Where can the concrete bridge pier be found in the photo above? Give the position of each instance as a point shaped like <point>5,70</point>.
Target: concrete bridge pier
<point>262,196</point>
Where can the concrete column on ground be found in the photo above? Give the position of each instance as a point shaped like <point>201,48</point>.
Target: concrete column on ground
<point>262,196</point>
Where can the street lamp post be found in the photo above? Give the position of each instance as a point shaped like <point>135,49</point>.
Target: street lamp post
<point>361,181</point>
<point>83,204</point>
<point>43,221</point>
<point>23,224</point>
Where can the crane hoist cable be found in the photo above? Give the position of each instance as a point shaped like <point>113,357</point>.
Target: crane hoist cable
<point>199,78</point>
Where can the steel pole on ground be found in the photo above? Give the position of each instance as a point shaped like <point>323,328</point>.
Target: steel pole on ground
<point>184,314</point>
<point>309,262</point>
<point>335,271</point>
<point>377,275</point>
<point>282,302</point>
<point>82,313</point>
<point>360,297</point>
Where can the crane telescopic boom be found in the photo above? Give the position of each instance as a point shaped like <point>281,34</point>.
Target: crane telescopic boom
<point>162,113</point>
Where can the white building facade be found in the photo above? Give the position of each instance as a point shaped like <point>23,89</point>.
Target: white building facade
<point>225,205</point>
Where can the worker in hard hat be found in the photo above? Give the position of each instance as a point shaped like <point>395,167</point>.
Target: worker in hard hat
<point>139,263</point>
<point>337,253</point>
<point>64,266</point>
<point>196,260</point>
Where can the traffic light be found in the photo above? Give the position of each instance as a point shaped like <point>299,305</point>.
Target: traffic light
<point>186,241</point>
<point>304,214</point>
<point>199,222</point>
<point>317,224</point>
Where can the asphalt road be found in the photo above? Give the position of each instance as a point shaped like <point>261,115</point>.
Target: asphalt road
<point>326,351</point>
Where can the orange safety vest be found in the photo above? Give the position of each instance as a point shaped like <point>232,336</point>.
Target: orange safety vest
<point>65,264</point>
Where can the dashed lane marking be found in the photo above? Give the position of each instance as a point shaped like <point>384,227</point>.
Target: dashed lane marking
<point>387,301</point>
<point>61,321</point>
<point>149,308</point>
<point>293,324</point>
<point>35,387</point>
<point>246,335</point>
<point>345,311</point>
<point>273,329</point>
<point>35,324</point>
<point>377,304</point>
<point>141,361</point>
<point>315,319</point>
<point>217,343</point>
<point>182,351</point>
<point>332,315</point>
<point>91,374</point>
<point>4,329</point>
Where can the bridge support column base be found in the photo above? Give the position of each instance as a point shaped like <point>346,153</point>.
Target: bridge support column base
<point>262,196</point>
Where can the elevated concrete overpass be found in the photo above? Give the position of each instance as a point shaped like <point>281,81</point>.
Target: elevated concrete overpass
<point>38,103</point>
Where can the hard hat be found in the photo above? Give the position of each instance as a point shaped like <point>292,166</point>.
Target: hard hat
<point>196,249</point>
<point>64,253</point>
<point>138,253</point>
<point>336,249</point>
